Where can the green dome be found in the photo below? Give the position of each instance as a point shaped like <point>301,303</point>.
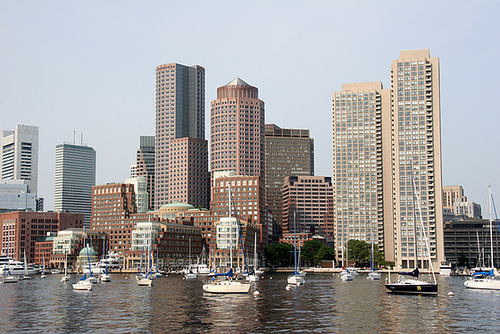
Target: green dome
<point>177,205</point>
<point>91,252</point>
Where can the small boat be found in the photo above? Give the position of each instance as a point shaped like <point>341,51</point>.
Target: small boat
<point>83,285</point>
<point>408,282</point>
<point>105,277</point>
<point>146,280</point>
<point>445,268</point>
<point>373,275</point>
<point>25,275</point>
<point>43,268</point>
<point>253,276</point>
<point>65,278</point>
<point>227,285</point>
<point>485,280</point>
<point>190,276</point>
<point>189,273</point>
<point>346,276</point>
<point>295,278</point>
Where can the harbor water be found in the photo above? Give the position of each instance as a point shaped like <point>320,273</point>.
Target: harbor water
<point>324,304</point>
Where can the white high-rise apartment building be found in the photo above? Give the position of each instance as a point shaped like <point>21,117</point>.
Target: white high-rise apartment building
<point>19,155</point>
<point>75,175</point>
<point>416,142</point>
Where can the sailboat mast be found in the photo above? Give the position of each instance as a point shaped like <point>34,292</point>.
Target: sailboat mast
<point>295,239</point>
<point>491,226</point>
<point>230,231</point>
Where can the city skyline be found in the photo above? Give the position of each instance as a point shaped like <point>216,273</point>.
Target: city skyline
<point>75,80</point>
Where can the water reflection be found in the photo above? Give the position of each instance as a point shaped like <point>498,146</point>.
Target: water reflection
<point>323,304</point>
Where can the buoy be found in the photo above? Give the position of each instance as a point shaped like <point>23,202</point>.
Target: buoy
<point>126,277</point>
<point>256,293</point>
<point>298,283</point>
<point>288,287</point>
<point>451,293</point>
<point>270,278</point>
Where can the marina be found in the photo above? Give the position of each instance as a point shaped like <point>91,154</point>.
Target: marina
<point>324,304</point>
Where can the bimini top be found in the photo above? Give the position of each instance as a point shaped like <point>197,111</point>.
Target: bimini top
<point>237,82</point>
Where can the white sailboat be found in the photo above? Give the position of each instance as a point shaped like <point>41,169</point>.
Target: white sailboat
<point>25,275</point>
<point>295,278</point>
<point>147,278</point>
<point>486,280</point>
<point>85,283</point>
<point>7,276</point>
<point>346,275</point>
<point>253,276</point>
<point>65,278</point>
<point>227,285</point>
<point>190,274</point>
<point>105,277</point>
<point>43,267</point>
<point>373,275</point>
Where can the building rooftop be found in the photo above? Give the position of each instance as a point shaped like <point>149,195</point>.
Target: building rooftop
<point>237,82</point>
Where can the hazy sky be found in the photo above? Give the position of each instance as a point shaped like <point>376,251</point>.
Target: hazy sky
<point>89,67</point>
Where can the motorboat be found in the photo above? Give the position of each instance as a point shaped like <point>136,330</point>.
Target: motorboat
<point>295,279</point>
<point>445,268</point>
<point>412,285</point>
<point>145,280</point>
<point>112,262</point>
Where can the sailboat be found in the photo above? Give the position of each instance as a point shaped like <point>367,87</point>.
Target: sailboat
<point>414,285</point>
<point>85,283</point>
<point>227,285</point>
<point>105,277</point>
<point>253,276</point>
<point>65,278</point>
<point>485,279</point>
<point>295,278</point>
<point>25,275</point>
<point>7,276</point>
<point>147,278</point>
<point>373,275</point>
<point>43,267</point>
<point>346,275</point>
<point>190,274</point>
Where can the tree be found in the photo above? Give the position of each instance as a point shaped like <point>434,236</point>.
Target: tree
<point>359,252</point>
<point>309,250</point>
<point>278,254</point>
<point>324,253</point>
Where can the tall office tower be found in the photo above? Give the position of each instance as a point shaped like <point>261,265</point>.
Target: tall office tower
<point>19,155</point>
<point>289,152</point>
<point>361,113</point>
<point>180,112</point>
<point>417,161</point>
<point>145,165</point>
<point>141,192</point>
<point>188,172</point>
<point>74,178</point>
<point>451,195</point>
<point>308,200</point>
<point>237,130</point>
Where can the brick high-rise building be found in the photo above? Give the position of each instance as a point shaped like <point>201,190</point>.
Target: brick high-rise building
<point>20,229</point>
<point>237,130</point>
<point>188,172</point>
<point>180,112</point>
<point>416,142</point>
<point>361,162</point>
<point>75,174</point>
<point>289,152</point>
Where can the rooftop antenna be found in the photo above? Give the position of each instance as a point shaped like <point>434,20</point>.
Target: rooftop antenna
<point>73,137</point>
<point>81,139</point>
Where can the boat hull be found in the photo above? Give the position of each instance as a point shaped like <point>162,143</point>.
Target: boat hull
<point>422,288</point>
<point>145,282</point>
<point>82,285</point>
<point>226,287</point>
<point>296,280</point>
<point>484,284</point>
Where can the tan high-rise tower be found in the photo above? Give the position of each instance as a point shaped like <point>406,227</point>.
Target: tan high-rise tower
<point>416,139</point>
<point>361,163</point>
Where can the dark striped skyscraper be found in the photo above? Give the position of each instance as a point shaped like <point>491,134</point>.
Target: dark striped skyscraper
<point>180,113</point>
<point>74,179</point>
